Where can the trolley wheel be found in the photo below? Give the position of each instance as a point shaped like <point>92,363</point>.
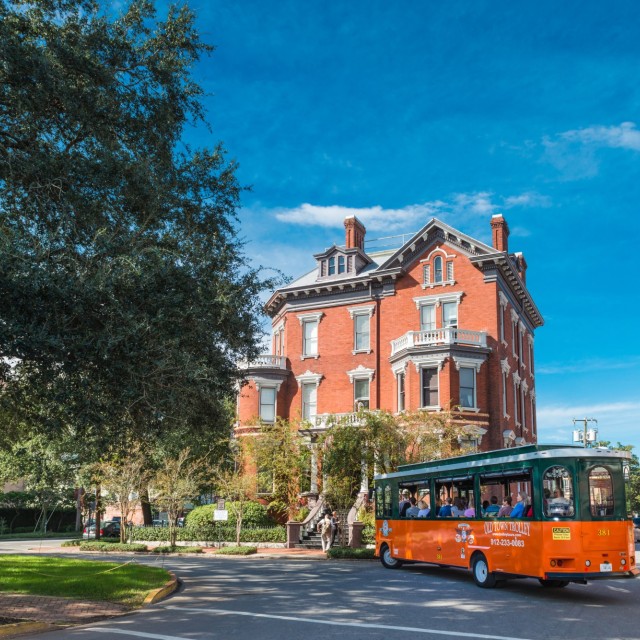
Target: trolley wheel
<point>481,574</point>
<point>553,584</point>
<point>388,560</point>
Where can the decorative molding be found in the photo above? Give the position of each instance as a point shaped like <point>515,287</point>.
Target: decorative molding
<point>305,317</point>
<point>361,311</point>
<point>437,300</point>
<point>467,362</point>
<point>309,377</point>
<point>434,360</point>
<point>524,386</point>
<point>516,379</point>
<point>504,365</point>
<point>438,250</point>
<point>267,383</point>
<point>521,326</point>
<point>514,316</point>
<point>520,442</point>
<point>280,326</point>
<point>361,373</point>
<point>503,300</point>
<point>400,366</point>
<point>530,339</point>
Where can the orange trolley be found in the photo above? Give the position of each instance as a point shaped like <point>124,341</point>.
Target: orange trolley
<point>567,521</point>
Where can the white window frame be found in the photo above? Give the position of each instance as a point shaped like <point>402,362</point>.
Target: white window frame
<point>428,269</point>
<point>475,388</point>
<point>355,313</point>
<point>504,365</point>
<point>308,378</point>
<point>451,326</point>
<point>514,336</point>
<point>401,390</point>
<point>470,363</point>
<point>310,405</point>
<point>310,318</point>
<point>432,326</point>
<point>503,307</point>
<point>516,385</point>
<point>438,301</point>
<point>530,341</point>
<point>261,390</point>
<point>361,373</point>
<point>423,368</point>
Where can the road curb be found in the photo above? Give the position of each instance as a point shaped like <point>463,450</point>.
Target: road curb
<point>160,594</point>
<point>22,628</point>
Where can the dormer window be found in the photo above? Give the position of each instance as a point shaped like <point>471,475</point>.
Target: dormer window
<point>341,266</point>
<point>332,266</point>
<point>437,269</point>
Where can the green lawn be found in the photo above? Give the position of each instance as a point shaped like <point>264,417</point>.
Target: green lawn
<point>81,579</point>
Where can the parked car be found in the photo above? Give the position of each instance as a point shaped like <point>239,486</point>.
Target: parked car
<point>636,529</point>
<point>108,529</point>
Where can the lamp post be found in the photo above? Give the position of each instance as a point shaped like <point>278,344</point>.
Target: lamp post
<point>585,435</point>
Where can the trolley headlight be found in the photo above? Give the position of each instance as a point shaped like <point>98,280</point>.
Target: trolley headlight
<point>552,563</point>
<point>587,563</point>
<point>623,561</point>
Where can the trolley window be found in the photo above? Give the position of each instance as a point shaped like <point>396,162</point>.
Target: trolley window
<point>600,492</point>
<point>557,486</point>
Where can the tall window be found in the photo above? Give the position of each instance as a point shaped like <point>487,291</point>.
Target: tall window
<point>309,401</point>
<point>600,492</point>
<point>467,387</point>
<point>430,387</point>
<point>515,402</point>
<point>504,393</point>
<point>523,407</point>
<point>450,314</point>
<point>310,338</point>
<point>361,393</point>
<point>427,317</point>
<point>502,324</point>
<point>400,379</point>
<point>341,267</point>
<point>268,404</point>
<point>332,266</point>
<point>361,326</point>
<point>437,269</point>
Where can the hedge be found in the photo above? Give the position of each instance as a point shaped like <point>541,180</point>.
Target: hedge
<point>338,553</point>
<point>169,549</point>
<point>254,516</point>
<point>237,551</point>
<point>111,546</point>
<point>211,533</point>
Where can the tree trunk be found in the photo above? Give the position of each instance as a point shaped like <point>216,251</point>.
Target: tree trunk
<point>145,505</point>
<point>97,517</point>
<point>79,494</point>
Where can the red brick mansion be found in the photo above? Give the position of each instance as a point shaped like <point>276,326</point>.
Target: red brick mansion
<point>445,321</point>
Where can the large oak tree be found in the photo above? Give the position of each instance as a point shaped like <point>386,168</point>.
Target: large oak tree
<point>126,296</point>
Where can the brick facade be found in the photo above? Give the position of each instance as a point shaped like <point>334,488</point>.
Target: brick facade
<point>445,314</point>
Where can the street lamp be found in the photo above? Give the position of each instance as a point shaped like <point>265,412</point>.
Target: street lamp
<point>585,435</point>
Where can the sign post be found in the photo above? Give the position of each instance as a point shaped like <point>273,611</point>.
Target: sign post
<point>220,514</point>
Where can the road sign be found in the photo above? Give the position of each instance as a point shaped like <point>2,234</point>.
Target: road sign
<point>220,514</point>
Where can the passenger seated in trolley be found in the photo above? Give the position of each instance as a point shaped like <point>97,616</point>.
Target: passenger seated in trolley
<point>559,505</point>
<point>424,509</point>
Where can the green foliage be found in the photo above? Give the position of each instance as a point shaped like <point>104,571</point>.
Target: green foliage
<point>72,543</point>
<point>211,533</point>
<point>280,455</point>
<point>368,517</point>
<point>97,545</point>
<point>347,553</point>
<point>237,551</point>
<point>255,515</point>
<point>127,299</point>
<point>169,549</point>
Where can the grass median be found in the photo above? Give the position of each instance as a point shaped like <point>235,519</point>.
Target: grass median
<point>80,579</point>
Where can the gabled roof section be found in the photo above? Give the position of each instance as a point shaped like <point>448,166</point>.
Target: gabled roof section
<point>433,231</point>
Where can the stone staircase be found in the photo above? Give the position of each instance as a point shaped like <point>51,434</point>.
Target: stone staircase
<point>310,540</point>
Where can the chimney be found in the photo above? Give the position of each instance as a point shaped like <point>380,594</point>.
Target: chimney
<point>522,267</point>
<point>355,232</point>
<point>499,232</point>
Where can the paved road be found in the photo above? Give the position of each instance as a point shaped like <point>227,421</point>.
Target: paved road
<point>276,599</point>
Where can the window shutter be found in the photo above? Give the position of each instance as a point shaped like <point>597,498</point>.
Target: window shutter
<point>449,271</point>
<point>426,272</point>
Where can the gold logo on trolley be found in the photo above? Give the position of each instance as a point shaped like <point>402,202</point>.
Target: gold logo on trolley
<point>561,533</point>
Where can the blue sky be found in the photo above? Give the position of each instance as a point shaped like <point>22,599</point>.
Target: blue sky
<point>401,111</point>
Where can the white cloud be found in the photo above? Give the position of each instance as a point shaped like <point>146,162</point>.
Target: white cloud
<point>460,208</point>
<point>623,136</point>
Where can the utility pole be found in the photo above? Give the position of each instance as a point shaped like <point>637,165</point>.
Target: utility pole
<point>585,435</point>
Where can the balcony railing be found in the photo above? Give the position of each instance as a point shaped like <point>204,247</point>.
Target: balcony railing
<point>433,337</point>
<point>266,361</point>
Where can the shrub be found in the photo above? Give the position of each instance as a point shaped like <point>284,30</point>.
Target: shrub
<point>237,551</point>
<point>211,533</point>
<point>337,553</point>
<point>111,546</point>
<point>72,543</point>
<point>168,549</point>
<point>255,515</point>
<point>369,531</point>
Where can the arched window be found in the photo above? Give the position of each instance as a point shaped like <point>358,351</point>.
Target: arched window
<point>437,269</point>
<point>558,498</point>
<point>600,492</point>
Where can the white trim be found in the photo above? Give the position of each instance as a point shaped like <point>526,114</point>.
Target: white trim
<point>470,363</point>
<point>441,250</point>
<point>309,377</point>
<point>516,379</point>
<point>310,317</point>
<point>437,300</point>
<point>504,365</point>
<point>503,299</point>
<point>361,373</point>
<point>361,311</point>
<point>400,366</point>
<point>421,362</point>
<point>267,383</point>
<point>514,316</point>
